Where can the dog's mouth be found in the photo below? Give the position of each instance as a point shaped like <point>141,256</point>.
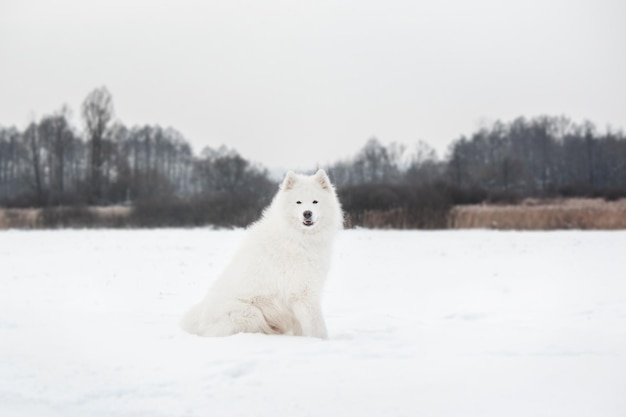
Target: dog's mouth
<point>308,223</point>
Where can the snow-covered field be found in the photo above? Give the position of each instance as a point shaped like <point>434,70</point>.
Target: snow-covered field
<point>454,323</point>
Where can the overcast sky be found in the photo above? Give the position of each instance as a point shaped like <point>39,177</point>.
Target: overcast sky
<point>297,83</point>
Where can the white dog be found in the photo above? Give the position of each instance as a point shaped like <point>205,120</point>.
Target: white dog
<point>273,284</point>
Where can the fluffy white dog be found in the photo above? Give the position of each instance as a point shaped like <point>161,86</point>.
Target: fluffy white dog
<point>274,283</point>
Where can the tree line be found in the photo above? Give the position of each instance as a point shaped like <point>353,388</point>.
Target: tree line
<point>392,186</point>
<point>153,169</point>
<point>51,164</point>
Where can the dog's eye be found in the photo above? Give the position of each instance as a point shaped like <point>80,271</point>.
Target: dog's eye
<point>298,202</point>
<point>314,201</point>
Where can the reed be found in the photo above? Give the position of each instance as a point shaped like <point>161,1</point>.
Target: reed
<point>532,214</point>
<point>64,217</point>
<point>19,218</point>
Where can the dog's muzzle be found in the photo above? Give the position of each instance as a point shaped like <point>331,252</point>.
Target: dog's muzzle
<point>308,218</point>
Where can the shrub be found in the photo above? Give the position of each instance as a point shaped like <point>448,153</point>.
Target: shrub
<point>395,206</point>
<point>60,217</point>
<point>219,209</point>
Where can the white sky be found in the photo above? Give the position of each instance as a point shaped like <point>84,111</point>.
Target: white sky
<point>296,83</point>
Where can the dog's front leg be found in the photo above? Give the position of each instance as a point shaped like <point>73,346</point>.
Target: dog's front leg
<point>310,318</point>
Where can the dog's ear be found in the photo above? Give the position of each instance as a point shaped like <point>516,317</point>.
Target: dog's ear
<point>322,179</point>
<point>289,181</point>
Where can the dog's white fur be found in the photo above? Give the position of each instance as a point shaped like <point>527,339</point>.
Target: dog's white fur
<point>274,283</point>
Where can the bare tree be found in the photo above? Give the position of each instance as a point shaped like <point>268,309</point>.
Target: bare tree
<point>35,151</point>
<point>56,137</point>
<point>97,112</point>
<point>424,167</point>
<point>12,152</point>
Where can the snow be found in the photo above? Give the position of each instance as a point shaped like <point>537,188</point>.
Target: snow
<point>447,323</point>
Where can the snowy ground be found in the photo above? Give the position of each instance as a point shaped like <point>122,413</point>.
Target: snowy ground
<point>455,323</point>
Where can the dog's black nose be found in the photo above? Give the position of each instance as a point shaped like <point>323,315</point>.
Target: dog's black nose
<point>307,214</point>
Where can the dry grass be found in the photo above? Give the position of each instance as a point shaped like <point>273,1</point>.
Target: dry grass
<point>111,211</point>
<point>62,217</point>
<point>18,218</point>
<point>543,215</point>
